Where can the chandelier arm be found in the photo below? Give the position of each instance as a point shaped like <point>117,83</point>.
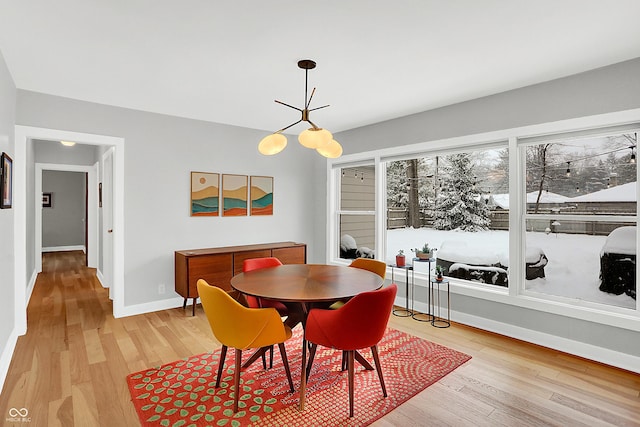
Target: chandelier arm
<point>317,108</point>
<point>306,105</point>
<point>287,105</point>
<point>285,128</point>
<point>312,124</point>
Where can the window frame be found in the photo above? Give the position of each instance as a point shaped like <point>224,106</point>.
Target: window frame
<point>522,144</point>
<point>515,137</point>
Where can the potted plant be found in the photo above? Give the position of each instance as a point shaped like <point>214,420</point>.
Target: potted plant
<point>440,270</point>
<point>425,253</point>
<point>400,258</point>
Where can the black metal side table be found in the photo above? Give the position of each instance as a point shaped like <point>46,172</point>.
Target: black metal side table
<point>416,315</point>
<point>404,312</point>
<point>438,321</point>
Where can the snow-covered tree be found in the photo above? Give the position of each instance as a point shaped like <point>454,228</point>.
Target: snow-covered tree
<point>409,180</point>
<point>459,205</point>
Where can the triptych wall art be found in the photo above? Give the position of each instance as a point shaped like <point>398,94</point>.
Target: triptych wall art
<point>213,194</point>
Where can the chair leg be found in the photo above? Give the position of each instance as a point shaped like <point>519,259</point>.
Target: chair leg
<point>376,359</point>
<point>344,361</point>
<point>285,361</point>
<point>223,355</point>
<point>312,354</point>
<point>236,375</point>
<point>270,357</point>
<point>264,358</point>
<point>303,376</point>
<point>350,363</point>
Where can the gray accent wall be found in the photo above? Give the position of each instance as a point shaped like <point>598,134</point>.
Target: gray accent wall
<point>63,224</point>
<point>603,90</point>
<point>7,256</point>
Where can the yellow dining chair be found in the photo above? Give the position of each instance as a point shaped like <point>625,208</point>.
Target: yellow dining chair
<point>242,328</point>
<point>372,265</point>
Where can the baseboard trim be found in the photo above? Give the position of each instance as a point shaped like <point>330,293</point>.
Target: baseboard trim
<point>149,307</point>
<point>100,278</point>
<point>64,248</point>
<point>30,286</point>
<point>5,358</point>
<point>588,351</point>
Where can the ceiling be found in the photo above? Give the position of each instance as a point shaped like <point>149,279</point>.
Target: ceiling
<point>226,62</point>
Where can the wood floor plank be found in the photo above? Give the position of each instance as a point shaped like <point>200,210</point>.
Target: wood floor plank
<point>93,346</point>
<point>85,409</point>
<point>70,367</point>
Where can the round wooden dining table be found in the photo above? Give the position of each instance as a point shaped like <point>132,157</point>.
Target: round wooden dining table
<point>307,284</point>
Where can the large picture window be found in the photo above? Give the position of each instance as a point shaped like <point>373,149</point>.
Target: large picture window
<point>454,203</point>
<point>530,217</point>
<point>581,206</point>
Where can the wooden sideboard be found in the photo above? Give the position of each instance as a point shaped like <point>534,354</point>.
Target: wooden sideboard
<point>218,265</point>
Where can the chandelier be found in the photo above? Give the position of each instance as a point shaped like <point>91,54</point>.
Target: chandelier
<point>315,137</point>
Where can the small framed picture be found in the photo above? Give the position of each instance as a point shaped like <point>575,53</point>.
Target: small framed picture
<point>234,195</point>
<point>205,194</point>
<point>261,194</point>
<point>47,200</point>
<point>6,181</point>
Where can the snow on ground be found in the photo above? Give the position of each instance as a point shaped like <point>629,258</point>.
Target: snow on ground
<point>574,259</point>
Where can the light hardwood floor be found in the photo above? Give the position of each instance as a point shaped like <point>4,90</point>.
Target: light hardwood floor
<point>70,367</point>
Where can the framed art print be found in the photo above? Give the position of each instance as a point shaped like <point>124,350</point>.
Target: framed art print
<point>234,195</point>
<point>47,200</point>
<point>261,194</point>
<point>205,194</point>
<point>6,181</point>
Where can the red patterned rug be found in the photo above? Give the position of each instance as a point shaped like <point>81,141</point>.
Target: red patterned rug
<point>182,393</point>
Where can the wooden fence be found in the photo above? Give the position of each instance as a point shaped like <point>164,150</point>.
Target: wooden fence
<point>398,218</point>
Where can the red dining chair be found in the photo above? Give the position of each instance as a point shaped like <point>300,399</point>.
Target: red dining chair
<point>372,265</point>
<point>360,323</point>
<point>256,302</point>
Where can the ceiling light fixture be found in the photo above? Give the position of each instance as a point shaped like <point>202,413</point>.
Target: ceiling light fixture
<point>68,143</point>
<point>315,137</point>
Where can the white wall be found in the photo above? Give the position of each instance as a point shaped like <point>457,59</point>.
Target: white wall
<point>605,90</point>
<point>8,335</point>
<point>160,153</point>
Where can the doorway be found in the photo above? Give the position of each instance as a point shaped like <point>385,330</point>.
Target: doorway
<point>28,241</point>
<point>91,219</point>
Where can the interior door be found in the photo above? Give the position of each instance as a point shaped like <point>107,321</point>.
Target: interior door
<point>107,220</point>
